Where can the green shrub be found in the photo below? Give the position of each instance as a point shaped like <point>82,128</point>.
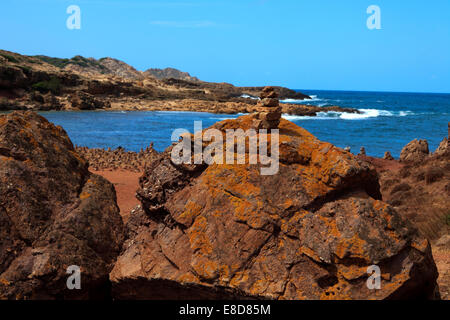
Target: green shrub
<point>53,85</point>
<point>9,58</point>
<point>25,69</point>
<point>447,219</point>
<point>57,62</point>
<point>77,60</point>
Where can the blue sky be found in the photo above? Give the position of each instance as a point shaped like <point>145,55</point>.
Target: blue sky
<point>322,44</point>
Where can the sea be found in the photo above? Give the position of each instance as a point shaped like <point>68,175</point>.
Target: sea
<point>387,122</point>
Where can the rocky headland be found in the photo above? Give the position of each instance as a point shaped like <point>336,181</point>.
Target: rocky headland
<point>45,83</point>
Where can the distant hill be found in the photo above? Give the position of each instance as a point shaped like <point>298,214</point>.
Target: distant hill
<point>114,67</point>
<point>46,83</point>
<point>170,73</point>
<point>91,66</point>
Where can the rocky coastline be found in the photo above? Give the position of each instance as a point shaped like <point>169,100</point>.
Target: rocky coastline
<point>53,84</point>
<point>306,223</point>
<point>206,230</point>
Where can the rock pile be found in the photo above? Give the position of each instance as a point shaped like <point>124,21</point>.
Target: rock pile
<point>268,110</point>
<point>101,159</point>
<point>53,214</point>
<point>388,156</point>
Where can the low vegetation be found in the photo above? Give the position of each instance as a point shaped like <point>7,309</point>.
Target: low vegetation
<point>77,60</point>
<point>53,86</point>
<point>10,58</point>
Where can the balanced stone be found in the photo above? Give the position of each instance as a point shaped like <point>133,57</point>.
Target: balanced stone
<point>270,102</point>
<point>362,151</point>
<point>388,156</point>
<point>267,111</point>
<point>268,92</point>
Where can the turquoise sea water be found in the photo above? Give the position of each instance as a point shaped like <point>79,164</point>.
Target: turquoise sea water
<point>388,121</point>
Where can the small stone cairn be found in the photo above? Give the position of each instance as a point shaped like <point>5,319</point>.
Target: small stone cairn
<point>362,151</point>
<point>268,110</point>
<point>388,156</point>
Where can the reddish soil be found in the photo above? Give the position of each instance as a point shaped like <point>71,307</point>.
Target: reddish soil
<point>126,184</point>
<point>382,164</point>
<point>420,192</point>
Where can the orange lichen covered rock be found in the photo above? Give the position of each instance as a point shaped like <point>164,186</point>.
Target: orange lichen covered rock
<point>310,231</point>
<point>53,214</point>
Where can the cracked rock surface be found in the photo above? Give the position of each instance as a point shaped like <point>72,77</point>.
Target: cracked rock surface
<point>53,214</point>
<point>308,232</point>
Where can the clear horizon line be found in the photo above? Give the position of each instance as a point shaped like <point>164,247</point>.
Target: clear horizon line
<point>375,91</point>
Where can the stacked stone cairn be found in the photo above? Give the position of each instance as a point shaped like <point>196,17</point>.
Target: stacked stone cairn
<point>268,110</point>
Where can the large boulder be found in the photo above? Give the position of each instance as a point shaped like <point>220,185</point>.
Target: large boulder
<point>415,151</point>
<point>309,231</point>
<point>53,214</point>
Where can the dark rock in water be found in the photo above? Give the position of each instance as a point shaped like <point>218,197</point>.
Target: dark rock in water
<point>53,214</point>
<point>309,231</point>
<point>415,151</point>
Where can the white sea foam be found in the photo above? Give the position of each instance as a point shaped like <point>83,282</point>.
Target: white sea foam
<point>249,96</point>
<point>301,101</point>
<point>364,114</point>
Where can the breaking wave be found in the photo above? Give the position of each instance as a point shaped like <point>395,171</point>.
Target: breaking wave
<point>364,114</point>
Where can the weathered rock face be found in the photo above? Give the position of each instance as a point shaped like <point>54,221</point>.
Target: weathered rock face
<point>85,101</point>
<point>308,232</point>
<point>53,214</point>
<point>444,146</point>
<point>415,151</point>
